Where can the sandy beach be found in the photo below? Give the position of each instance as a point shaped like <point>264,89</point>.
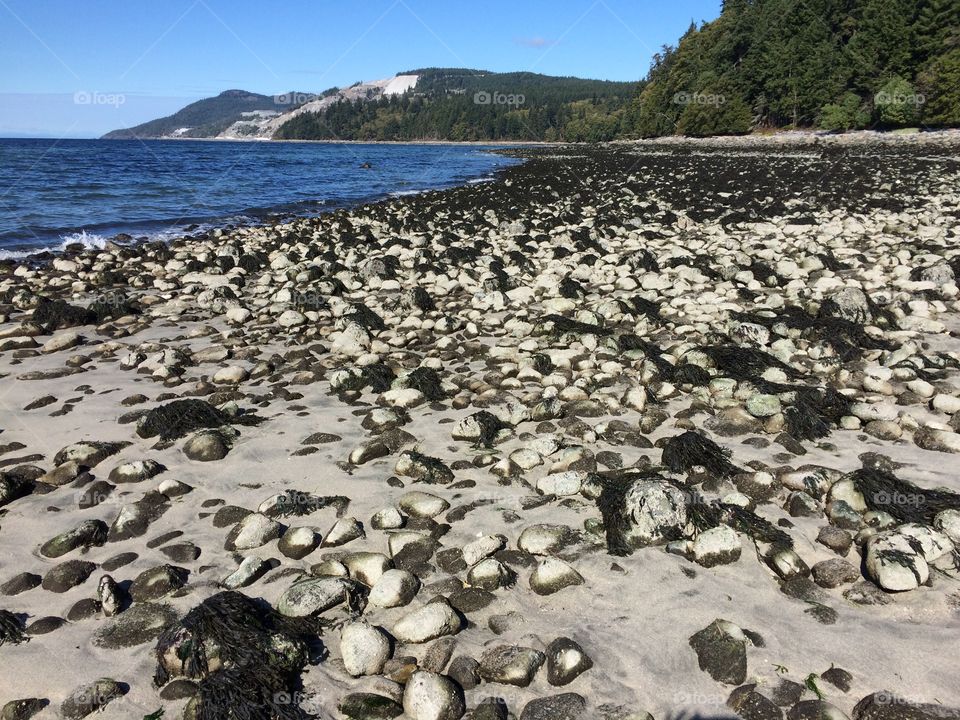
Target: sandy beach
<point>648,430</point>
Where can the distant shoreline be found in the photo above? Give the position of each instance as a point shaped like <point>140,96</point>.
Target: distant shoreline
<point>497,143</point>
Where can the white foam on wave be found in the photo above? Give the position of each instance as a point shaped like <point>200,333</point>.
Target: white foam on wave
<point>88,240</point>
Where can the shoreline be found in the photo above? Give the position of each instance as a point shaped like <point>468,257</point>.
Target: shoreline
<point>604,437</point>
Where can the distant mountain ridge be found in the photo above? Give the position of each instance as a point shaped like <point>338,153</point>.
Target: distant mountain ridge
<point>424,104</point>
<point>211,116</point>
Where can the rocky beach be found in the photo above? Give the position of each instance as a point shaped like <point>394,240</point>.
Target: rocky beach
<point>655,429</point>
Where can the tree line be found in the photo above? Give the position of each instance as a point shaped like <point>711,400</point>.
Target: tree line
<point>763,64</point>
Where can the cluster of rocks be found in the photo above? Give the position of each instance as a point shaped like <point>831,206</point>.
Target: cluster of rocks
<point>638,348</point>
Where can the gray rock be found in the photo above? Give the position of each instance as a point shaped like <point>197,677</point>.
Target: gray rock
<point>253,531</point>
<point>566,661</point>
<point>251,569</point>
<point>510,664</point>
<point>553,575</point>
<point>491,708</point>
<point>568,706</point>
<point>654,512</point>
<point>140,624</point>
<point>885,705</point>
<point>836,539</point>
<point>22,709</point>
<point>394,588</point>
<point>298,542</point>
<point>67,575</point>
<point>364,649</point>
<point>369,706</point>
<point>465,671</point>
<point>751,705</point>
<point>427,623</point>
<point>312,596</point>
<point>834,573</point>
<point>90,698</point>
<point>721,649</point>
<point>717,546</point>
<point>21,582</point>
<point>206,446</point>
<point>136,471</point>
<point>89,533</point>
<point>438,654</point>
<point>428,696</point>
<point>157,582</point>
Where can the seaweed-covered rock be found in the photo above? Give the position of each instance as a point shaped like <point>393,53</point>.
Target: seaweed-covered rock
<point>481,427</point>
<point>423,468</point>
<point>180,417</point>
<point>243,654</point>
<point>639,511</point>
<point>57,314</point>
<point>894,563</point>
<point>13,488</point>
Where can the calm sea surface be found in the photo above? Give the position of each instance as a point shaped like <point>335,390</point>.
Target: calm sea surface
<point>58,191</point>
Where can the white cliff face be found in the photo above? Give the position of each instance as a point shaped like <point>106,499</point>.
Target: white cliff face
<point>262,125</point>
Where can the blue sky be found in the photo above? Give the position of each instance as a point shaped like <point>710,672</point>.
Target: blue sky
<point>78,68</point>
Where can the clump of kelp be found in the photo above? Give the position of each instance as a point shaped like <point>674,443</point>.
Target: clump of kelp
<point>180,417</point>
<point>246,659</point>
<point>689,450</point>
<point>11,628</point>
<point>908,503</point>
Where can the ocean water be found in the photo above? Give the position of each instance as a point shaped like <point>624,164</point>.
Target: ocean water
<point>54,192</point>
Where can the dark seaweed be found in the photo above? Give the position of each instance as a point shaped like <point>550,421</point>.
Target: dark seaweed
<point>490,425</point>
<point>177,418</point>
<point>749,523</point>
<point>297,502</point>
<point>11,628</point>
<point>742,363</point>
<point>257,676</point>
<point>56,314</point>
<point>907,502</point>
<point>558,325</point>
<point>364,316</point>
<point>684,452</point>
<point>427,381</point>
<point>378,376</point>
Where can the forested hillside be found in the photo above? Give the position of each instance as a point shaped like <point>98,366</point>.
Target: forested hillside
<point>461,104</point>
<point>832,64</point>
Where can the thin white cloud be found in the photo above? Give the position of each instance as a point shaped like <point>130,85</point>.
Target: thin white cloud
<point>535,42</point>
